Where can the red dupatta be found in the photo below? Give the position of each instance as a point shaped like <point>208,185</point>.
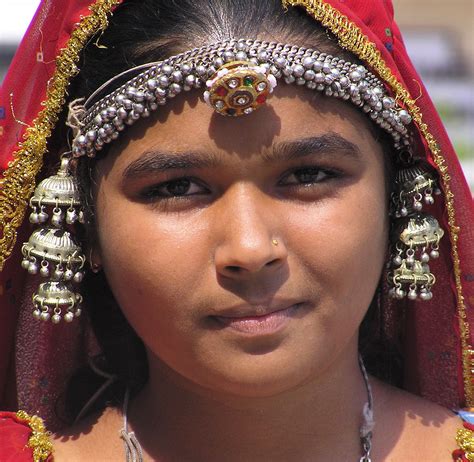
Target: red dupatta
<point>36,358</point>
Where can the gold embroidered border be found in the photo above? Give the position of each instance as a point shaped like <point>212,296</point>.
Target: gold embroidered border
<point>39,440</point>
<point>465,440</point>
<point>353,39</point>
<point>19,179</point>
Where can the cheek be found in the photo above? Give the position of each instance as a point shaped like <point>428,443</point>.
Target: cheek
<point>152,265</point>
<point>345,244</point>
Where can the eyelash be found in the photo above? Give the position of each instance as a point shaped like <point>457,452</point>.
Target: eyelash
<point>157,192</point>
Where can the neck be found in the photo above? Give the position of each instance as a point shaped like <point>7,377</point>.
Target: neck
<point>177,420</point>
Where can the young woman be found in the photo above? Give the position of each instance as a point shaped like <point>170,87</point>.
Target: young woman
<point>263,222</point>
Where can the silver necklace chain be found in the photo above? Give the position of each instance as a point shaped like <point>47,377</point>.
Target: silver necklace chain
<point>134,452</point>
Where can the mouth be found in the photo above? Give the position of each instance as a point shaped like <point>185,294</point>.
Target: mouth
<point>257,320</point>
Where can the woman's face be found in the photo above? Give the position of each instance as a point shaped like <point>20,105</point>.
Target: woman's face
<point>245,251</point>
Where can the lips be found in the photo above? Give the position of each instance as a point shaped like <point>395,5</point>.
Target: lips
<point>259,319</point>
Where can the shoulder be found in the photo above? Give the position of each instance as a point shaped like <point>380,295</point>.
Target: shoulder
<point>410,426</point>
<point>23,438</point>
<point>92,435</point>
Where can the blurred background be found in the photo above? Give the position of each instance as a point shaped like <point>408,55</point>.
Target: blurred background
<point>439,36</point>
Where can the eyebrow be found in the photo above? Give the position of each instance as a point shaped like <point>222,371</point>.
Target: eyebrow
<point>160,161</point>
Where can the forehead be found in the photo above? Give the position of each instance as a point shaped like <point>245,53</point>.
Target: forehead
<point>188,123</point>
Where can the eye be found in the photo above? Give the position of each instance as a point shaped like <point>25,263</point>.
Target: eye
<point>180,187</point>
<point>307,176</point>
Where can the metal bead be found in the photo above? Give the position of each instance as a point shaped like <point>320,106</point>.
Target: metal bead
<point>417,206</point>
<point>412,295</point>
<point>186,69</point>
<point>388,103</point>
<point>56,319</point>
<point>298,70</point>
<point>78,277</point>
<point>425,258</point>
<point>403,211</point>
<point>166,69</point>
<point>434,254</point>
<point>262,56</point>
<point>68,317</point>
<point>152,84</point>
<point>91,135</point>
<point>177,76</point>
<point>399,293</point>
<point>327,68</point>
<point>25,264</point>
<point>405,117</point>
<point>34,218</point>
<point>201,71</point>
<point>318,66</point>
<point>130,92</point>
<point>33,268</point>
<point>190,80</point>
<point>175,89</point>
<point>309,75</point>
<point>397,260</point>
<point>241,56</point>
<point>345,82</point>
<point>280,62</point>
<point>81,140</point>
<point>78,312</point>
<point>429,200</point>
<point>361,70</point>
<point>98,119</point>
<point>44,316</point>
<point>229,56</point>
<point>37,314</point>
<point>164,81</point>
<point>68,275</point>
<point>44,271</point>
<point>424,295</point>
<point>308,62</point>
<point>319,77</point>
<point>138,108</point>
<point>127,104</point>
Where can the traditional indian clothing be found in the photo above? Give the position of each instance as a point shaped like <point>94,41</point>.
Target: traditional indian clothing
<point>37,358</point>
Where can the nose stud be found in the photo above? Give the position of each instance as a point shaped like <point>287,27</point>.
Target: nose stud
<point>274,242</point>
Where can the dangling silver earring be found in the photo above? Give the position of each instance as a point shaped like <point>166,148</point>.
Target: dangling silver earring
<point>415,235</point>
<point>52,251</point>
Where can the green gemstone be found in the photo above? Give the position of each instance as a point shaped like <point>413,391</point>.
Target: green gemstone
<point>248,81</point>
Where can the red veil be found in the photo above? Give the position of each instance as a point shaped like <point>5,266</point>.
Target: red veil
<point>36,358</point>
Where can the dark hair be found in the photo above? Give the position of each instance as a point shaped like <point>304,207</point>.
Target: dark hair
<point>142,31</point>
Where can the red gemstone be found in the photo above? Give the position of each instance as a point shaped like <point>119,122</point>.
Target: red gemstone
<point>221,91</point>
<point>261,99</point>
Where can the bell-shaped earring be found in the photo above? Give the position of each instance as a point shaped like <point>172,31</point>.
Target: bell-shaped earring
<point>51,251</point>
<point>417,243</point>
<point>416,235</point>
<point>415,186</point>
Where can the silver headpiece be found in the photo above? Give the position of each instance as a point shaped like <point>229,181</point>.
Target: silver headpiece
<point>239,76</point>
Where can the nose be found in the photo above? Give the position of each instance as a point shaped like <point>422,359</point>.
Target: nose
<point>248,240</point>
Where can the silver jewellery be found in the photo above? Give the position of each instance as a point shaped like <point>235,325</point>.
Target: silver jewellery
<point>416,235</point>
<point>239,76</point>
<point>52,251</point>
